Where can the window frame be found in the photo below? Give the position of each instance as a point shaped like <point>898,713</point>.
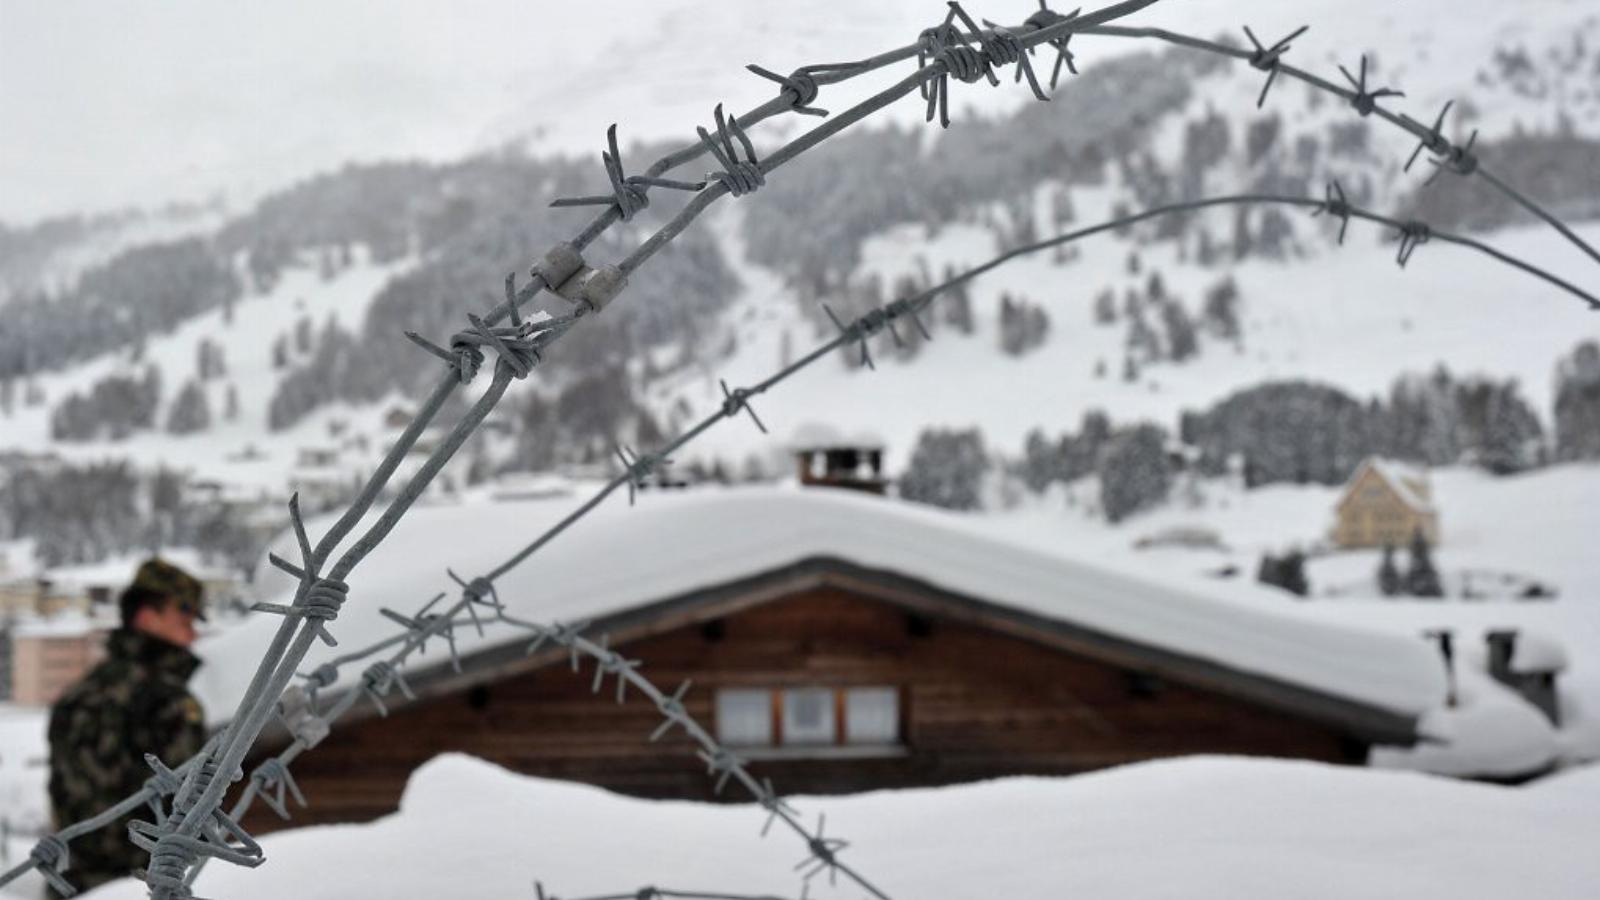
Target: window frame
<point>839,745</point>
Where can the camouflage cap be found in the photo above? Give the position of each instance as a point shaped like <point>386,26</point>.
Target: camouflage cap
<point>164,579</point>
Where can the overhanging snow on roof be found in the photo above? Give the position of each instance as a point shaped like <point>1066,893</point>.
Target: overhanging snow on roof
<point>670,545</point>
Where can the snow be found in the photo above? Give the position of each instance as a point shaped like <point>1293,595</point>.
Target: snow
<point>23,772</point>
<point>668,545</point>
<point>119,570</point>
<point>1491,734</point>
<point>1537,653</point>
<point>216,453</point>
<point>69,624</point>
<point>1345,316</point>
<point>1208,828</point>
<point>816,435</point>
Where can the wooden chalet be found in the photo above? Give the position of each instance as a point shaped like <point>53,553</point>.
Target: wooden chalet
<point>840,642</point>
<point>1385,503</point>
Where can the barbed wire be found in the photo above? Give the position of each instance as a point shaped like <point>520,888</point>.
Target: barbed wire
<point>197,829</point>
<point>185,839</point>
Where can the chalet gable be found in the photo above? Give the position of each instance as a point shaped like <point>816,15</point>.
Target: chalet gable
<point>632,571</point>
<point>1377,480</point>
<point>929,603</point>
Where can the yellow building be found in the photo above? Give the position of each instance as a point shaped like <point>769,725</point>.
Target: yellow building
<point>49,656</point>
<point>1385,503</point>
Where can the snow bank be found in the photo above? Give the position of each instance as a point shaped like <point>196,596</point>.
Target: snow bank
<point>1534,653</point>
<point>1491,733</point>
<point>1197,829</point>
<point>673,544</point>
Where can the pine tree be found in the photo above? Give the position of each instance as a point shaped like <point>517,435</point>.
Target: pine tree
<point>1039,462</point>
<point>1388,575</point>
<point>1221,311</point>
<point>958,305</point>
<point>1155,287</point>
<point>1105,307</point>
<point>1135,473</point>
<point>946,469</point>
<point>190,412</point>
<point>1287,572</point>
<point>1293,569</point>
<point>1181,341</point>
<point>1577,406</point>
<point>1422,579</point>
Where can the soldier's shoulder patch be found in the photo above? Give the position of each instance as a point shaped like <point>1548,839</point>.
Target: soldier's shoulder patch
<point>191,710</point>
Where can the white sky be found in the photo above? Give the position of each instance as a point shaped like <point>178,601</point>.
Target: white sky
<point>106,103</point>
<point>112,103</point>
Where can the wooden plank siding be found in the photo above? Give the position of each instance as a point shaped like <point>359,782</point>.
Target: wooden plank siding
<point>975,703</point>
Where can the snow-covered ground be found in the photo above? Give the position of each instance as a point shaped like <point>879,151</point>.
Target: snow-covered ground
<point>1207,828</point>
<point>24,807</point>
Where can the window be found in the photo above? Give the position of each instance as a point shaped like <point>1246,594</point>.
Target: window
<point>744,717</point>
<point>809,719</point>
<point>872,715</point>
<point>808,716</point>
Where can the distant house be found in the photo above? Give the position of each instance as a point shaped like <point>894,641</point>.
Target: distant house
<point>50,655</point>
<point>41,597</point>
<point>1385,503</point>
<point>841,642</point>
<point>5,658</point>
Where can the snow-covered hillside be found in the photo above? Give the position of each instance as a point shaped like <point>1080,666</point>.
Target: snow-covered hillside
<point>246,336</point>
<point>1195,829</point>
<point>1348,317</point>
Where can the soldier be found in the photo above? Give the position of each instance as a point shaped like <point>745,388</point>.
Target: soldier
<point>135,702</point>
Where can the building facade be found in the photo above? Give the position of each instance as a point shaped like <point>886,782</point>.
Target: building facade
<point>1385,504</point>
<point>830,677</point>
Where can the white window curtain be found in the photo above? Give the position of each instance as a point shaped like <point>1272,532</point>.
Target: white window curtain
<point>744,717</point>
<point>808,716</point>
<point>872,715</point>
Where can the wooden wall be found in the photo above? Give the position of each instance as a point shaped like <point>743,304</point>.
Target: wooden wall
<point>975,704</point>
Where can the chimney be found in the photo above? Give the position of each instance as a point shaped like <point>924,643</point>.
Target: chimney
<point>1531,673</point>
<point>850,466</point>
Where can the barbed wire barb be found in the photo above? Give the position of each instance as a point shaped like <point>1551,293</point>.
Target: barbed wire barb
<point>1365,102</point>
<point>1267,59</point>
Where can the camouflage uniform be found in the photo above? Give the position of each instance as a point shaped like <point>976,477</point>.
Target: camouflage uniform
<point>135,702</point>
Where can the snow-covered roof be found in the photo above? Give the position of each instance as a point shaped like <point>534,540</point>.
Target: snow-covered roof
<point>62,625</point>
<point>670,545</point>
<point>118,571</point>
<point>815,435</point>
<point>1534,653</point>
<point>1410,483</point>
